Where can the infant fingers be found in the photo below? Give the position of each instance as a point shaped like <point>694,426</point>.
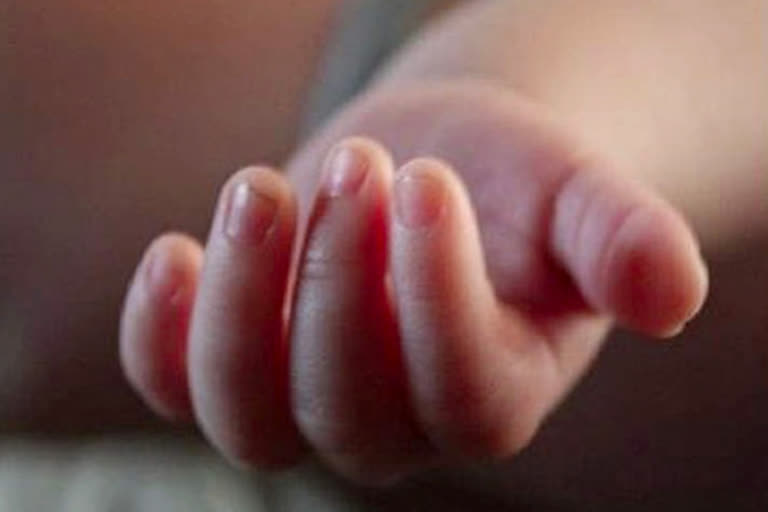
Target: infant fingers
<point>154,324</point>
<point>349,389</point>
<point>237,358</point>
<point>481,380</point>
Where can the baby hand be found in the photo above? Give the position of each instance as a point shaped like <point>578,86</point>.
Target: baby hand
<point>381,343</point>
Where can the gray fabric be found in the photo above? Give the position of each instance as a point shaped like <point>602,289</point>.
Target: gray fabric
<point>153,474</point>
<point>367,32</point>
<point>162,474</point>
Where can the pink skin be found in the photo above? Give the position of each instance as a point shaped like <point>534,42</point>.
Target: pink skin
<point>492,312</point>
<point>161,295</point>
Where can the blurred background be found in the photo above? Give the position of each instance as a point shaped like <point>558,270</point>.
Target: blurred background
<point>124,118</point>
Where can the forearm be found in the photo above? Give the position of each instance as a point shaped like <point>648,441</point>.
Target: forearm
<point>671,92</point>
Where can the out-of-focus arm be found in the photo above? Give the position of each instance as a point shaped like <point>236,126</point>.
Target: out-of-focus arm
<point>672,91</point>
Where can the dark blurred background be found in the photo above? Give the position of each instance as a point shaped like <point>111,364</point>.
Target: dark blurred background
<point>123,119</point>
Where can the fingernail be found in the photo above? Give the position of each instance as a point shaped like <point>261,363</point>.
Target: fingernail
<point>250,214</point>
<point>346,171</point>
<point>419,199</point>
<point>157,273</point>
<point>151,272</point>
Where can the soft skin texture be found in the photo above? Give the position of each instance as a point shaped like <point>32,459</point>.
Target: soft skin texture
<point>533,184</point>
<point>441,366</point>
<point>679,105</point>
<point>555,53</point>
<point>568,237</point>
